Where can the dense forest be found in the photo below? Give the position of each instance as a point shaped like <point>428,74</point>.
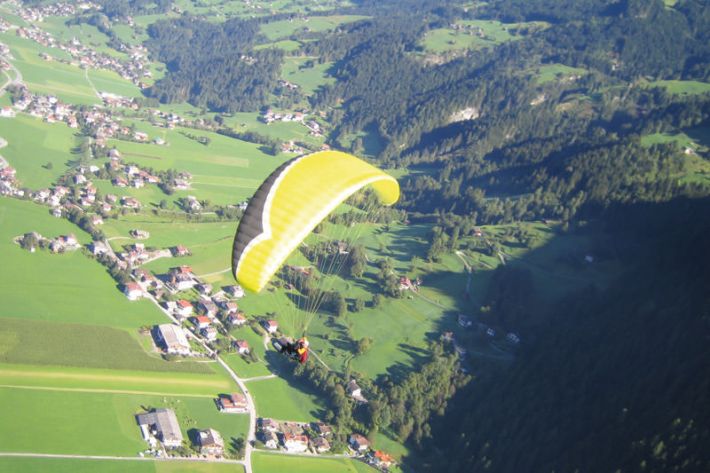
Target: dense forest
<point>616,380</point>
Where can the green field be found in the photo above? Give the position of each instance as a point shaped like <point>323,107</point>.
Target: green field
<point>109,81</point>
<point>285,28</point>
<point>477,34</point>
<point>226,171</point>
<point>66,465</point>
<point>269,463</point>
<point>278,399</point>
<point>683,87</point>
<point>283,131</point>
<point>173,383</point>
<point>40,342</point>
<point>73,287</point>
<point>308,78</point>
<point>96,423</point>
<point>553,72</point>
<point>287,45</point>
<point>32,144</point>
<point>50,78</point>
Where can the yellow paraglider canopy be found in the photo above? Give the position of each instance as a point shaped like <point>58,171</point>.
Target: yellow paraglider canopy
<point>291,202</point>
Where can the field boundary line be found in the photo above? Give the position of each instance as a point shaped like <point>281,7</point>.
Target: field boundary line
<point>101,391</point>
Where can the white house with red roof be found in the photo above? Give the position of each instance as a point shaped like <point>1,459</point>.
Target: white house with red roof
<point>183,308</point>
<point>295,443</point>
<point>271,326</point>
<point>133,291</point>
<point>359,443</point>
<point>242,347</point>
<point>201,321</point>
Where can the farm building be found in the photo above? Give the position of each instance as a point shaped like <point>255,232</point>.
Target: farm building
<point>270,439</point>
<point>355,391</point>
<point>321,445</point>
<point>234,403</point>
<point>163,424</point>
<point>172,339</point>
<point>133,291</point>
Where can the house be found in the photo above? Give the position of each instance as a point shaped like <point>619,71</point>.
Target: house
<point>321,445</point>
<point>381,460</point>
<point>295,443</point>
<point>164,425</point>
<point>180,250</point>
<point>447,337</point>
<point>359,443</point>
<point>210,333</point>
<point>97,220</point>
<point>270,439</point>
<point>183,282</point>
<point>269,425</point>
<point>355,392</point>
<point>405,283</point>
<point>236,319</point>
<point>242,346</point>
<point>183,308</point>
<point>201,321</point>
<point>235,291</point>
<point>207,307</point>
<point>465,321</point>
<point>234,403</point>
<point>513,338</point>
<point>130,202</point>
<point>490,332</point>
<point>324,430</point>
<point>204,288</point>
<point>172,338</point>
<point>133,291</point>
<point>98,248</point>
<point>210,442</point>
<point>271,326</point>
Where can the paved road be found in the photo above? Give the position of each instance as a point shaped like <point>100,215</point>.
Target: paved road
<point>106,457</point>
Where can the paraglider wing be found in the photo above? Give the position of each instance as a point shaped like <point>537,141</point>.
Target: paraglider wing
<point>291,202</point>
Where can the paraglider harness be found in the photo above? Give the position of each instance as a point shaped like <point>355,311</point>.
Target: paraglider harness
<point>297,350</point>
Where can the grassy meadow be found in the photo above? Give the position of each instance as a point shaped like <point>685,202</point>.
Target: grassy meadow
<point>285,28</point>
<point>39,151</point>
<point>264,462</point>
<point>73,465</point>
<point>277,398</point>
<point>476,34</point>
<point>87,423</point>
<point>296,70</point>
<point>66,81</point>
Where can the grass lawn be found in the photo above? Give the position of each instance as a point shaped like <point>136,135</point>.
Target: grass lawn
<point>70,465</point>
<point>269,463</point>
<point>32,144</point>
<point>287,45</point>
<point>278,399</point>
<point>206,384</point>
<point>68,287</point>
<point>97,423</point>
